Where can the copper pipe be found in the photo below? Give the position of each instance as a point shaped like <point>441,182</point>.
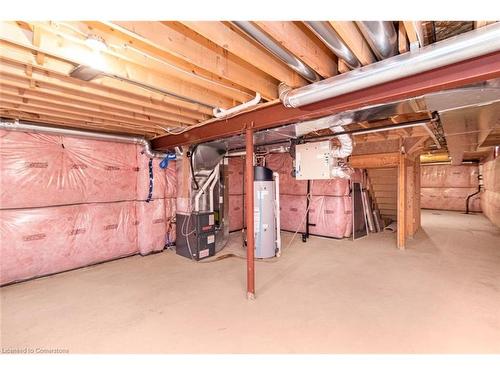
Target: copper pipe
<point>249,214</point>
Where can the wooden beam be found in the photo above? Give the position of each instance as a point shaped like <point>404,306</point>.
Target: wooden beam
<point>46,84</point>
<point>403,45</point>
<point>183,43</point>
<point>68,115</point>
<point>343,68</point>
<point>273,115</point>
<point>20,56</point>
<point>413,145</point>
<point>51,99</point>
<point>350,34</point>
<point>76,51</point>
<point>414,32</point>
<point>383,160</point>
<point>226,36</point>
<point>311,51</point>
<point>478,24</point>
<point>401,228</point>
<point>63,121</point>
<point>43,104</point>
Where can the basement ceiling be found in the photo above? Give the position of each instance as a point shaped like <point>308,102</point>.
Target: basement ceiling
<point>157,78</point>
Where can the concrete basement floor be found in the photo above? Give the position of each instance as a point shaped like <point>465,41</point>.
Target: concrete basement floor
<point>440,295</point>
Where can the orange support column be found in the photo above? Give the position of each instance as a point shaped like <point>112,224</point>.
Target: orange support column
<point>250,214</point>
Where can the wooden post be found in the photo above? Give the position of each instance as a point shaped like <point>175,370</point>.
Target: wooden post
<point>401,235</point>
<point>250,213</point>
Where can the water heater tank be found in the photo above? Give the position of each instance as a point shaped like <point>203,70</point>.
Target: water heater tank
<point>264,213</point>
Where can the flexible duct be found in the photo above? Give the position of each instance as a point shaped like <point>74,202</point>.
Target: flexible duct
<point>453,50</point>
<point>345,140</point>
<point>325,32</point>
<point>381,36</point>
<point>345,149</point>
<point>34,128</point>
<point>276,49</point>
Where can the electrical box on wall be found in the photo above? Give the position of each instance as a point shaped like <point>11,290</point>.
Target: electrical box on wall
<point>313,161</point>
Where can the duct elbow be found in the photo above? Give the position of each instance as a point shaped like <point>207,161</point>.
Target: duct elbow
<point>345,140</point>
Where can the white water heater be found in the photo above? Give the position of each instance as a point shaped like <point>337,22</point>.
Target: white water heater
<point>266,213</point>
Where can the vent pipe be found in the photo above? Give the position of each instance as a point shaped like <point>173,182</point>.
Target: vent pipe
<point>277,50</point>
<point>325,32</point>
<point>381,36</point>
<point>34,128</point>
<point>450,51</point>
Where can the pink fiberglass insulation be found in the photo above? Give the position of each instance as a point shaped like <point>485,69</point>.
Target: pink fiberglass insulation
<point>334,187</point>
<point>170,220</point>
<point>331,215</point>
<point>236,212</point>
<point>282,163</point>
<point>490,203</point>
<point>40,170</point>
<point>151,226</point>
<point>449,176</point>
<point>235,175</point>
<point>490,197</point>
<point>143,177</point>
<point>293,211</point>
<point>491,175</point>
<point>452,199</point>
<point>171,180</point>
<point>41,241</point>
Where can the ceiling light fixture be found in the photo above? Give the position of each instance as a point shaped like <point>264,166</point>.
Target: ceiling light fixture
<point>96,43</point>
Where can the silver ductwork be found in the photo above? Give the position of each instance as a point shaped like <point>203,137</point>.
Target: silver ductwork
<point>381,36</point>
<point>277,50</point>
<point>459,48</point>
<point>325,32</point>
<point>35,128</point>
<point>345,140</point>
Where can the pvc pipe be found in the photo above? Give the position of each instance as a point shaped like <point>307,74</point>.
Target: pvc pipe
<point>34,128</point>
<point>202,190</point>
<point>212,186</point>
<point>462,47</point>
<point>277,213</point>
<point>222,113</point>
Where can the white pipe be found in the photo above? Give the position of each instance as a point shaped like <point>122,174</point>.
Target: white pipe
<point>222,113</point>
<point>277,206</point>
<point>202,191</point>
<point>34,128</point>
<point>212,187</point>
<point>462,47</point>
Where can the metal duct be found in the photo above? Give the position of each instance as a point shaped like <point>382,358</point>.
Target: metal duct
<point>277,50</point>
<point>381,36</point>
<point>462,47</point>
<point>345,140</point>
<point>34,128</point>
<point>325,32</point>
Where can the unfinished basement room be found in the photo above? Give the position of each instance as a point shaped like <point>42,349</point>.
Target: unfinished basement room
<point>268,187</point>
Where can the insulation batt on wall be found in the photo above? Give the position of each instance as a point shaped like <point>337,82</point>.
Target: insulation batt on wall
<point>490,197</point>
<point>330,203</point>
<point>446,187</point>
<point>69,202</point>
